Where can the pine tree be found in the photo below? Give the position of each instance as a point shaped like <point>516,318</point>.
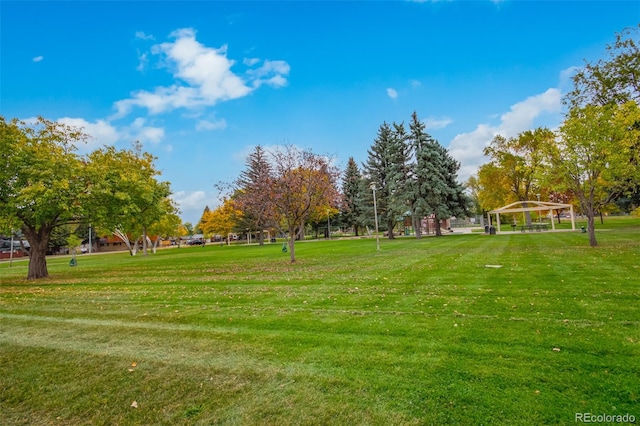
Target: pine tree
<point>255,192</point>
<point>400,181</point>
<point>417,191</point>
<point>437,173</point>
<point>351,190</point>
<point>379,171</point>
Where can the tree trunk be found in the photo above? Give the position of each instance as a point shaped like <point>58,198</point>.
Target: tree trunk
<point>417,226</point>
<point>390,225</point>
<point>292,244</point>
<point>144,241</point>
<point>591,229</point>
<point>438,228</point>
<point>527,214</point>
<point>38,243</point>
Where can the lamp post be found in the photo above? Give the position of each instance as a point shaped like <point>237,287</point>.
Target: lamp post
<point>329,223</point>
<point>375,213</point>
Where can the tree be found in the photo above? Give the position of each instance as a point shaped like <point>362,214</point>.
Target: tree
<point>302,183</point>
<point>378,170</point>
<point>596,156</point>
<point>615,80</point>
<point>205,212</point>
<point>168,226</point>
<point>437,172</point>
<point>400,171</point>
<point>254,197</point>
<point>41,182</point>
<point>418,189</point>
<point>126,195</point>
<point>222,220</point>
<point>351,192</point>
<point>518,163</point>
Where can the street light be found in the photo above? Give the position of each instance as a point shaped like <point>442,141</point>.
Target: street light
<point>375,213</point>
<point>539,211</point>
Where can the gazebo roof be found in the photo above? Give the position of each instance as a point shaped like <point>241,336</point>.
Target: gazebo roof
<point>529,206</point>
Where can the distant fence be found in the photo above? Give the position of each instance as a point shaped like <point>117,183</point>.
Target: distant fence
<point>7,254</point>
<point>466,222</point>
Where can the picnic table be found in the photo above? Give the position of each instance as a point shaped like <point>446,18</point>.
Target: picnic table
<point>534,227</point>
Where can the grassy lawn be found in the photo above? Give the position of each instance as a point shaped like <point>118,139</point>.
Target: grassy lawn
<point>422,332</point>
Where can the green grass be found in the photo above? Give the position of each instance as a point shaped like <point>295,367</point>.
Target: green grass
<point>421,332</point>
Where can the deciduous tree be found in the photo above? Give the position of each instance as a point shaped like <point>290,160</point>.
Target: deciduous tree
<point>222,220</point>
<point>597,156</point>
<point>302,182</point>
<point>42,182</point>
<point>518,163</point>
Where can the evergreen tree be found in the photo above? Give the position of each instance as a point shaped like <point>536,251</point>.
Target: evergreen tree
<point>351,190</point>
<point>437,172</point>
<point>255,192</point>
<point>417,191</point>
<point>400,172</point>
<point>379,171</point>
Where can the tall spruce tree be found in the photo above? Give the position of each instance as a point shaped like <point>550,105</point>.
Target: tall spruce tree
<point>444,196</point>
<point>400,181</point>
<point>418,191</point>
<point>351,191</point>
<point>378,169</point>
<point>255,192</point>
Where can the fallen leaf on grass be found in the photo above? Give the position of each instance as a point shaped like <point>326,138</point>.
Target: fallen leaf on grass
<point>556,349</point>
<point>493,266</point>
<point>134,404</point>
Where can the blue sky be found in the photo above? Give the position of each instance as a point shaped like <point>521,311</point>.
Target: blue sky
<point>201,83</point>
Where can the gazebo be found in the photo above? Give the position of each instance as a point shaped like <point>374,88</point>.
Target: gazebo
<point>533,206</point>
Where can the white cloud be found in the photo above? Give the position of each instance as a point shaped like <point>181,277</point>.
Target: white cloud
<point>392,93</point>
<point>101,132</point>
<point>522,114</point>
<point>191,204</point>
<point>143,61</point>
<point>142,36</point>
<point>38,58</point>
<point>433,123</point>
<point>271,73</point>
<point>250,61</point>
<point>104,133</point>
<point>468,147</point>
<point>211,125</point>
<point>566,76</point>
<point>203,77</point>
<point>138,130</point>
<point>415,84</point>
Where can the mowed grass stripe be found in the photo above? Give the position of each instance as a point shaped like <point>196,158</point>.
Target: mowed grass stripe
<point>421,332</point>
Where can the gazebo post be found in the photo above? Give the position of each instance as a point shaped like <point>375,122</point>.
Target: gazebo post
<point>498,221</point>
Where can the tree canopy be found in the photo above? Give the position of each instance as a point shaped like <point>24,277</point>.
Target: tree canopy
<point>46,184</point>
